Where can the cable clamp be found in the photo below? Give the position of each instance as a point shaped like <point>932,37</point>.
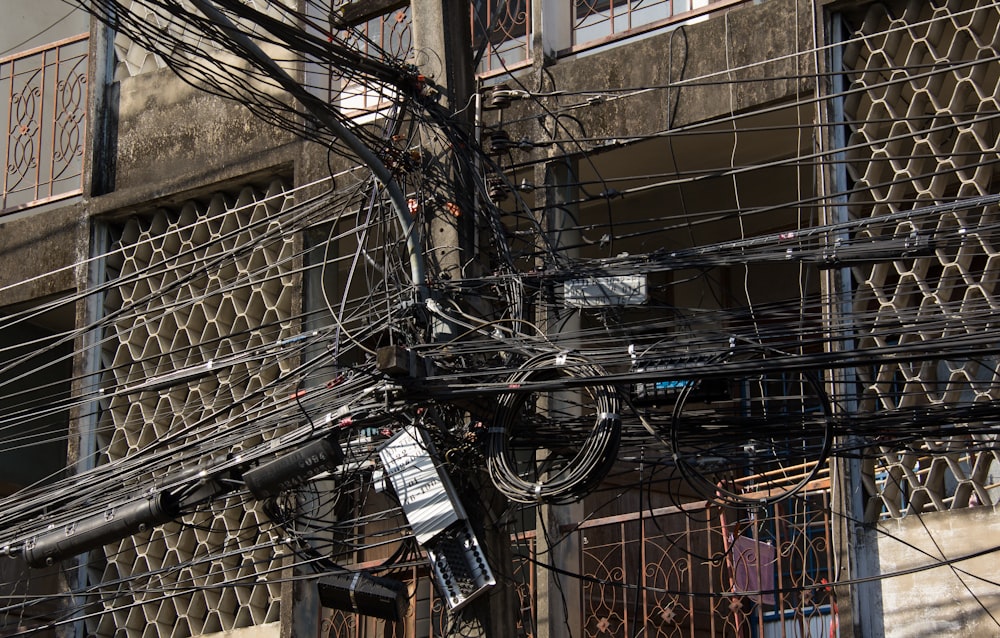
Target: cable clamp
<point>354,584</point>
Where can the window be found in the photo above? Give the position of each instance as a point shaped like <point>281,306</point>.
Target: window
<point>501,32</point>
<point>388,35</point>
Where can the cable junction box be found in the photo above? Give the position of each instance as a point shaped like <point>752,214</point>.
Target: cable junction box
<point>675,374</point>
<point>364,594</point>
<point>436,516</point>
<point>424,492</point>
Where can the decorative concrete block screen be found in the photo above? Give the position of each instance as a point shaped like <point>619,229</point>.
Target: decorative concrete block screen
<point>202,281</point>
<point>922,103</point>
<point>133,59</point>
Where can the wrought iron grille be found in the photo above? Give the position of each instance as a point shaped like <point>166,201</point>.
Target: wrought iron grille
<point>696,571</point>
<point>393,34</point>
<point>46,114</point>
<point>702,570</point>
<point>502,33</point>
<point>595,21</point>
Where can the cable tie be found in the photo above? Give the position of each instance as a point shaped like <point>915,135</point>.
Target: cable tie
<point>496,429</point>
<point>609,416</point>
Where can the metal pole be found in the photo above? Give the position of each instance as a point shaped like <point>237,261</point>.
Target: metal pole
<point>862,553</point>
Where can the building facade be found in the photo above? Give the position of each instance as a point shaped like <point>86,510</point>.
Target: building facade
<point>804,186</point>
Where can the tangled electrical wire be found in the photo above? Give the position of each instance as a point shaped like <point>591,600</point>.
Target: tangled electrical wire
<point>745,402</point>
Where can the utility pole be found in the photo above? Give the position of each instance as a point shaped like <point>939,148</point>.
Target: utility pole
<point>443,45</point>
<point>442,37</point>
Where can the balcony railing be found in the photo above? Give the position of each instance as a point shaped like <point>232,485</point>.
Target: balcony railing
<point>596,22</point>
<point>392,34</point>
<point>46,114</point>
<point>702,570</point>
<point>699,570</point>
<point>502,32</point>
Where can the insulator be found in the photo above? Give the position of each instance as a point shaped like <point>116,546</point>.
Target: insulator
<point>497,142</point>
<point>498,190</point>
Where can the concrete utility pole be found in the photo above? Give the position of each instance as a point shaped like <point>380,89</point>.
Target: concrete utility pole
<point>442,37</point>
<point>443,45</point>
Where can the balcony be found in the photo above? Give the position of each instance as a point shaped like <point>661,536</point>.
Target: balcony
<point>597,22</point>
<point>696,570</point>
<point>702,570</point>
<point>501,35</point>
<point>46,114</point>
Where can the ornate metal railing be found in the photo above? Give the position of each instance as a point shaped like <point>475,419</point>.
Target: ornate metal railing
<point>599,21</point>
<point>501,33</point>
<point>392,32</point>
<point>702,570</point>
<point>46,114</point>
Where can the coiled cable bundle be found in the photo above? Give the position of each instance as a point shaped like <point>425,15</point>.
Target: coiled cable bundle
<point>542,445</point>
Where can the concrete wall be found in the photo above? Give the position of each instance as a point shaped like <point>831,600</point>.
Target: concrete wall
<point>172,137</point>
<point>706,54</point>
<point>940,601</point>
<point>39,251</point>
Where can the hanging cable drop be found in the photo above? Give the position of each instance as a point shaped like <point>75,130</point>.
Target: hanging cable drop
<point>542,446</point>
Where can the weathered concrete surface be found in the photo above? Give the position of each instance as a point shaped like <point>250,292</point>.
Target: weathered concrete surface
<point>940,601</point>
<point>700,60</point>
<point>39,252</point>
<point>171,133</point>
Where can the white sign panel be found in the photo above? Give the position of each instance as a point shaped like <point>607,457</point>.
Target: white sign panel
<point>594,292</point>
